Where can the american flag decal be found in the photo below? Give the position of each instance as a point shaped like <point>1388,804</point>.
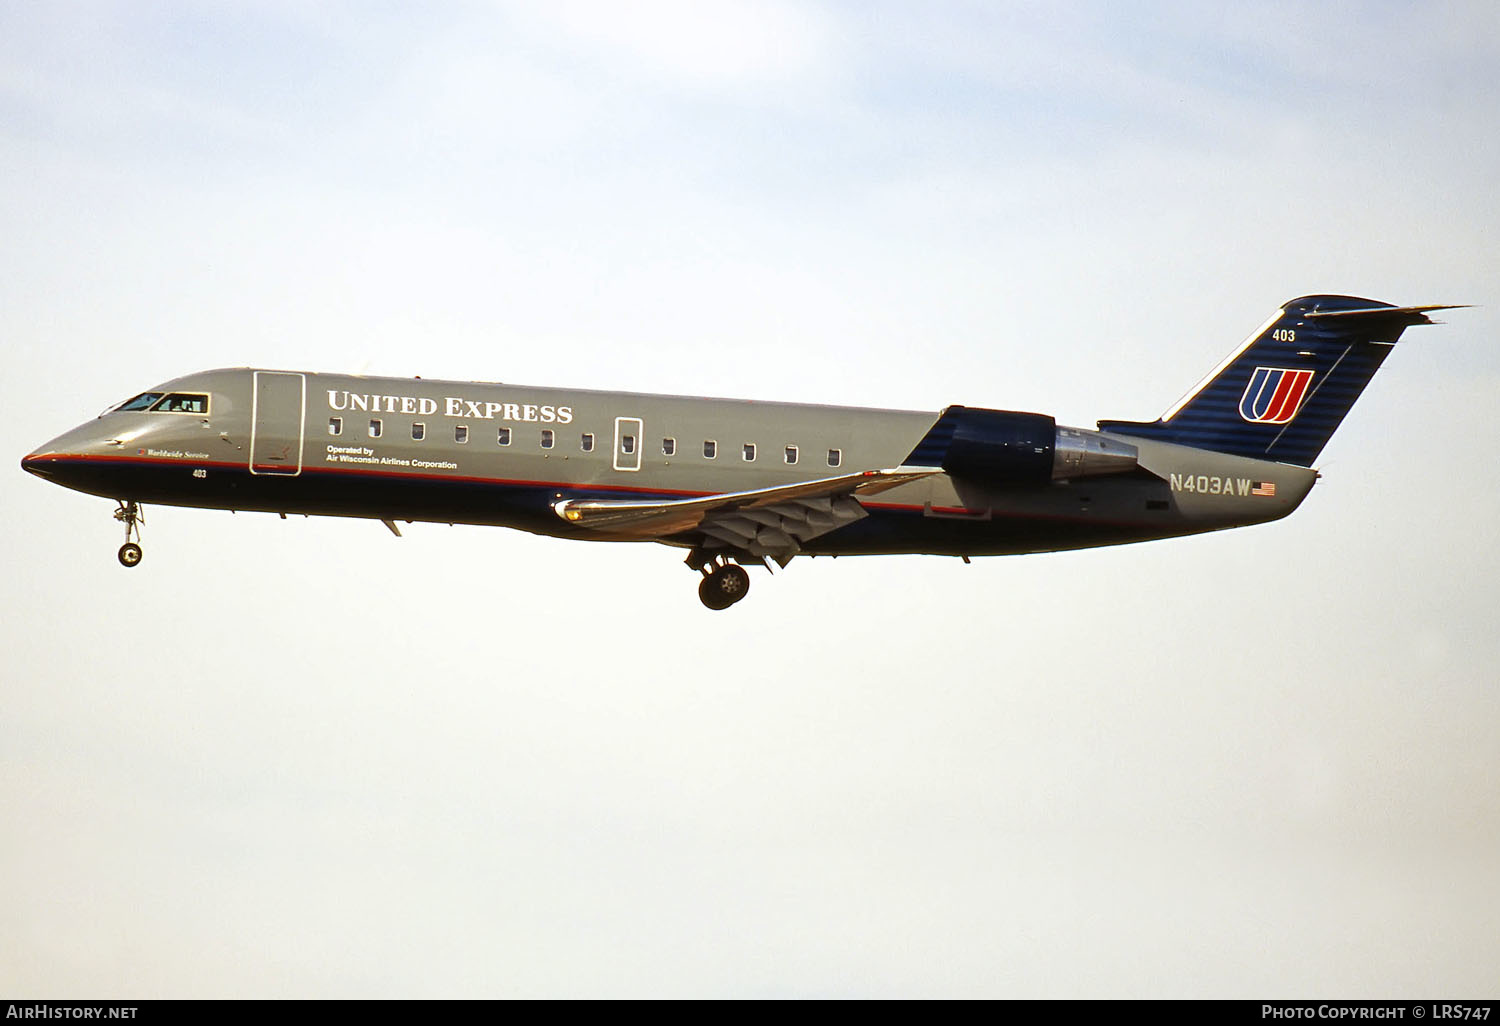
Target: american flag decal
<point>1274,395</point>
<point>1263,488</point>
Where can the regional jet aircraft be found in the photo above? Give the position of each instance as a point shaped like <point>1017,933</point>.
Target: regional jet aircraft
<point>740,483</point>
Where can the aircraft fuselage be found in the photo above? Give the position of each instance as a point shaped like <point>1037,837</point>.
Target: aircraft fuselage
<point>738,482</point>
<point>403,449</point>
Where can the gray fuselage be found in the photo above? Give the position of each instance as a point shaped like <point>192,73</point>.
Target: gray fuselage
<point>480,453</point>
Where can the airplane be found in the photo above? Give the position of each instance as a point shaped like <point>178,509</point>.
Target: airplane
<point>734,482</point>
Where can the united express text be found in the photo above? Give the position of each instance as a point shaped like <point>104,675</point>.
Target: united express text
<point>451,406</point>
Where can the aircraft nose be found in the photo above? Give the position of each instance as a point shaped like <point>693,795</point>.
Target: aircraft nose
<point>63,458</point>
<point>42,464</point>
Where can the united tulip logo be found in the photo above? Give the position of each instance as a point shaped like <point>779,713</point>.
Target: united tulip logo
<point>1274,395</point>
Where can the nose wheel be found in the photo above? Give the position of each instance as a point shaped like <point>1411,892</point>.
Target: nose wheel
<point>132,517</point>
<point>723,586</point>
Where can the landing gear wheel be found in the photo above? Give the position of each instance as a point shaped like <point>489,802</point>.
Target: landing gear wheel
<point>132,517</point>
<point>724,587</point>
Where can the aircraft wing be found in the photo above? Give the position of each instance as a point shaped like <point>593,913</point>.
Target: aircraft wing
<point>764,522</point>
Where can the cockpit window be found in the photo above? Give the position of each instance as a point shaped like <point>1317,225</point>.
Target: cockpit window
<point>140,402</point>
<point>182,402</point>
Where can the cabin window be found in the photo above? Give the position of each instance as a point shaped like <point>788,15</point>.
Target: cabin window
<point>374,429</point>
<point>627,444</point>
<point>335,425</point>
<point>503,436</point>
<point>710,450</point>
<point>668,446</point>
<point>791,454</point>
<point>182,402</point>
<point>460,433</point>
<point>835,457</point>
<point>749,452</point>
<point>587,442</point>
<point>548,436</point>
<point>418,431</point>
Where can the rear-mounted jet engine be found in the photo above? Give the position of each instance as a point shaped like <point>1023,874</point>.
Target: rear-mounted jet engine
<point>1001,447</point>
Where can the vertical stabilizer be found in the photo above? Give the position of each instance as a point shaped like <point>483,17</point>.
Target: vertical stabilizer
<point>1284,392</point>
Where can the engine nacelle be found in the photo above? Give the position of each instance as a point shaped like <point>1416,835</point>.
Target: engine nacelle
<point>1002,447</point>
<point>998,447</point>
<point>1081,453</point>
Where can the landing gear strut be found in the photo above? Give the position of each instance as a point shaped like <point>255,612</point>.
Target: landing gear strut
<point>132,517</point>
<point>723,586</point>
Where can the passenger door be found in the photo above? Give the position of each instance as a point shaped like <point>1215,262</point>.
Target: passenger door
<point>277,423</point>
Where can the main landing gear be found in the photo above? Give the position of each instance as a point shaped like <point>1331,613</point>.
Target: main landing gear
<point>723,585</point>
<point>132,517</point>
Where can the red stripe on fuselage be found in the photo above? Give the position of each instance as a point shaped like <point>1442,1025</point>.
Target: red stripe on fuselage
<point>575,485</point>
<point>156,461</point>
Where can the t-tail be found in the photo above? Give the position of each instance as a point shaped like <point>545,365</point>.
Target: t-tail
<point>1284,392</point>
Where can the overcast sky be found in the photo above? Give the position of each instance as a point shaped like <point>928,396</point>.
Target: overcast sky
<point>306,758</point>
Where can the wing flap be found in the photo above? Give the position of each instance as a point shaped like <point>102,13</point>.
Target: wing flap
<point>764,521</point>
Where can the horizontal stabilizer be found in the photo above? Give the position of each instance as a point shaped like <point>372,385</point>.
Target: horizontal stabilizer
<point>1406,316</point>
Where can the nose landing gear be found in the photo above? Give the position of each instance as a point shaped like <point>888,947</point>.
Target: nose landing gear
<point>723,586</point>
<point>132,517</point>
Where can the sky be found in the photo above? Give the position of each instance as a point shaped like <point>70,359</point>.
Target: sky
<point>305,758</point>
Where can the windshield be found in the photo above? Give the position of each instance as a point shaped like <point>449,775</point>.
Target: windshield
<point>140,402</point>
<point>182,402</point>
<point>163,402</point>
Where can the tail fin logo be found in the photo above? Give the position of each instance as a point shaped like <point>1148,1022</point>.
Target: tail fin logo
<point>1274,395</point>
